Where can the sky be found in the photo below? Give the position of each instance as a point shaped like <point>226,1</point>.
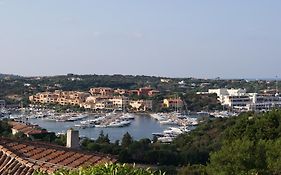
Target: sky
<point>172,38</point>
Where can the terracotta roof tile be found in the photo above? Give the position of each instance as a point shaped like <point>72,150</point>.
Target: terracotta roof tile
<point>27,128</point>
<point>24,157</point>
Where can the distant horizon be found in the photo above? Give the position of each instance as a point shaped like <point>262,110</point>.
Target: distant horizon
<point>221,78</point>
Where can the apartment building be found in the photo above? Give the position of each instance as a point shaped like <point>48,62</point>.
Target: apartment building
<point>98,98</point>
<point>264,101</point>
<point>103,105</point>
<point>106,102</point>
<point>240,99</point>
<point>60,97</point>
<point>121,92</point>
<point>105,91</point>
<point>145,91</point>
<point>72,97</point>
<point>119,103</point>
<point>44,97</point>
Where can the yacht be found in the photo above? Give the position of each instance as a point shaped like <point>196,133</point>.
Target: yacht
<point>76,118</point>
<point>165,139</point>
<point>127,116</point>
<point>168,122</point>
<point>118,123</point>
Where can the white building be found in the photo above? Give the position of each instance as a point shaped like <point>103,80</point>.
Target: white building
<point>264,101</point>
<point>141,105</point>
<point>233,98</point>
<point>240,99</point>
<point>119,103</point>
<point>106,102</point>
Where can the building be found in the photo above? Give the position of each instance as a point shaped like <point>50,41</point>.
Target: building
<point>227,92</point>
<point>27,129</point>
<point>173,103</point>
<point>119,103</point>
<point>104,91</point>
<point>103,105</point>
<point>72,97</point>
<point>240,99</point>
<point>44,97</point>
<point>141,105</point>
<point>145,91</point>
<point>26,157</point>
<point>60,97</point>
<point>165,80</point>
<point>101,98</point>
<point>237,101</point>
<point>153,93</point>
<point>232,98</point>
<point>264,101</point>
<point>106,102</point>
<point>121,92</point>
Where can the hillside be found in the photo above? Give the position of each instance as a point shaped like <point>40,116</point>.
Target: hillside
<point>15,88</point>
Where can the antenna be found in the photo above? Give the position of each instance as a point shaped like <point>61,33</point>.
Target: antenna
<point>276,84</point>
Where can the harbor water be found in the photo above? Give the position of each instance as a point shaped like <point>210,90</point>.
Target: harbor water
<point>141,127</point>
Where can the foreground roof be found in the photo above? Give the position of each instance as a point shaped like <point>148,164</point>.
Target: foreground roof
<point>24,157</point>
<point>27,128</point>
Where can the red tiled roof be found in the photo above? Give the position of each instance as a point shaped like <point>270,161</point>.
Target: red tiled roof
<point>27,128</point>
<point>24,157</point>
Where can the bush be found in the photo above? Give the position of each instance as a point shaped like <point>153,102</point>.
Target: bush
<point>106,169</point>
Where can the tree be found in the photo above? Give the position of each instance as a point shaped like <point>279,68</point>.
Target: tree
<point>127,140</point>
<point>155,139</point>
<point>238,157</point>
<point>103,139</point>
<point>273,156</point>
<point>5,128</point>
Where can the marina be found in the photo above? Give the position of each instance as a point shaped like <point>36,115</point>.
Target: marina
<point>165,126</point>
<point>141,127</point>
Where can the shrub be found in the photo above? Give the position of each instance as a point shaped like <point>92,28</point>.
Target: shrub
<point>106,169</point>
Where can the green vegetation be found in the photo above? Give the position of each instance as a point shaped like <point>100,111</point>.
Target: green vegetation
<point>196,102</point>
<point>5,128</point>
<point>106,169</point>
<point>192,148</point>
<point>251,146</point>
<point>247,144</point>
<point>6,131</point>
<point>15,89</point>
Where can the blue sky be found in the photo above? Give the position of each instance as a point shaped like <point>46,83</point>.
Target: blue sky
<point>175,38</point>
